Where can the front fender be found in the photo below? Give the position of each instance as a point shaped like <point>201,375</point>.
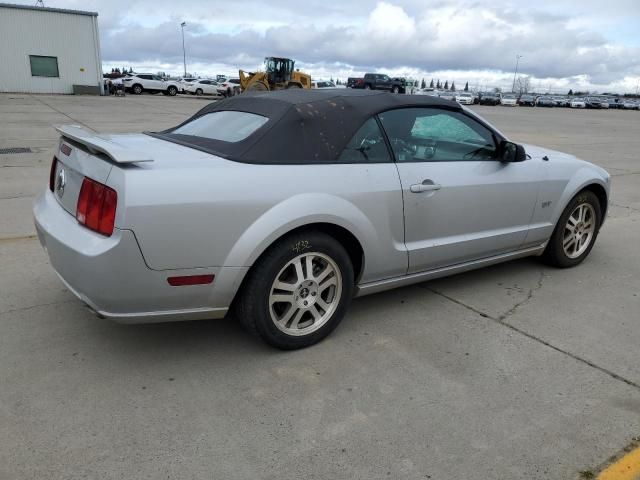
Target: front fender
<point>582,178</point>
<point>295,212</point>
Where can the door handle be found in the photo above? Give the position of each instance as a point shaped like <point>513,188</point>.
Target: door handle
<point>425,186</point>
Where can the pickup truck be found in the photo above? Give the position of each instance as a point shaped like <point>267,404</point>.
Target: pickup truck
<point>379,81</point>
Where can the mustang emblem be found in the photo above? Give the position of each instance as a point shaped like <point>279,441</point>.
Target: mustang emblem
<point>61,182</point>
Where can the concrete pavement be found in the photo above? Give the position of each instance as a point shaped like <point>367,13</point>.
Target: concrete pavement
<point>517,371</point>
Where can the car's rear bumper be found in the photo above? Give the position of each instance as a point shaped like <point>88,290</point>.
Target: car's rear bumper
<point>109,274</point>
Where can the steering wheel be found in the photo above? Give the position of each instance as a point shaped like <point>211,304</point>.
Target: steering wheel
<point>402,146</point>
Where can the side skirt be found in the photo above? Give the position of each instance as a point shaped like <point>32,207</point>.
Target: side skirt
<point>395,282</point>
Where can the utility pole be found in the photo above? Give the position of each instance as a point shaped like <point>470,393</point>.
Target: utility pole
<point>184,54</point>
<point>513,87</point>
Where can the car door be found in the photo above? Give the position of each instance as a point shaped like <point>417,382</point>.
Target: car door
<point>460,202</point>
<point>158,83</point>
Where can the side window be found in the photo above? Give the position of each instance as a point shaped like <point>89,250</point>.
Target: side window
<point>437,135</point>
<point>145,77</point>
<point>366,146</point>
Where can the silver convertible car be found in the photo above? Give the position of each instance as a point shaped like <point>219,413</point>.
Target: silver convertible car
<point>281,207</point>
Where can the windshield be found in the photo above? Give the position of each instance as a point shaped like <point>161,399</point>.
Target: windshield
<point>228,126</point>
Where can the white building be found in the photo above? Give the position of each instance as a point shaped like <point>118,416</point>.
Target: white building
<point>49,50</point>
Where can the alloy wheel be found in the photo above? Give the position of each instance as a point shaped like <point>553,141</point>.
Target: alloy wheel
<point>579,230</point>
<point>305,294</point>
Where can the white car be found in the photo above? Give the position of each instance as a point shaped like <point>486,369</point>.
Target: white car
<point>509,100</point>
<point>464,98</point>
<point>323,84</point>
<point>202,87</point>
<point>148,82</point>
<point>229,88</point>
<point>578,103</point>
<point>184,83</point>
<point>630,105</point>
<point>447,95</point>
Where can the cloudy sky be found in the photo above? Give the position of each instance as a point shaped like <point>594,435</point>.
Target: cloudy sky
<point>579,44</point>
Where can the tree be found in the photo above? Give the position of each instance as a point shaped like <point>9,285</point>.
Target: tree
<point>446,84</point>
<point>438,86</point>
<point>466,87</point>
<point>331,79</point>
<point>431,84</point>
<point>423,85</point>
<point>497,90</point>
<point>570,91</point>
<point>453,86</point>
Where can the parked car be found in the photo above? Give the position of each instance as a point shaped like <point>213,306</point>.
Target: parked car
<point>596,103</point>
<point>183,83</point>
<point>561,101</point>
<point>447,95</point>
<point>379,81</point>
<point>215,217</point>
<point>229,88</point>
<point>203,86</point>
<point>353,82</point>
<point>490,98</point>
<point>545,101</point>
<point>464,98</point>
<point>527,100</point>
<point>578,103</point>
<point>615,102</point>
<point>630,104</point>
<point>322,84</point>
<point>509,100</point>
<point>147,82</point>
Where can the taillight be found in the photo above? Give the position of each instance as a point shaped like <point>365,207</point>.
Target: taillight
<point>52,174</point>
<point>96,207</point>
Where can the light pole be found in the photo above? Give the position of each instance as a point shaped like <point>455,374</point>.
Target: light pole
<point>184,54</point>
<point>513,87</point>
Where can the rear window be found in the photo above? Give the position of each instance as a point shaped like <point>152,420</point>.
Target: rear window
<point>225,125</point>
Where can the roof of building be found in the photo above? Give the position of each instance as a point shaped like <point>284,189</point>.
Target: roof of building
<point>48,9</point>
<point>305,126</point>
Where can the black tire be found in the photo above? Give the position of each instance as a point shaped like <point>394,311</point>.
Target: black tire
<point>554,253</point>
<point>367,87</point>
<point>252,309</point>
<point>172,91</point>
<point>137,89</point>
<point>395,89</point>
<point>199,92</point>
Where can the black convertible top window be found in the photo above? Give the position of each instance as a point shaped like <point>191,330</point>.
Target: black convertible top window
<point>303,126</point>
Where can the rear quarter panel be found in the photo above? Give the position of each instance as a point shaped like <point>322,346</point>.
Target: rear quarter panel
<point>216,213</point>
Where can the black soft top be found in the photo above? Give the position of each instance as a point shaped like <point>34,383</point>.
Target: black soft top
<point>305,126</point>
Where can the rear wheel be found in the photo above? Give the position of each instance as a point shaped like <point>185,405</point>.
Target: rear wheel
<point>199,91</point>
<point>137,89</point>
<point>172,91</point>
<point>576,231</point>
<point>367,87</point>
<point>396,89</point>
<point>298,291</point>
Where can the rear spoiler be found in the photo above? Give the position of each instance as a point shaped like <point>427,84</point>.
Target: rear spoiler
<point>102,144</point>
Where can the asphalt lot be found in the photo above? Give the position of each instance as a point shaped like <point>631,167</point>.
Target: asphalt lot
<point>517,371</point>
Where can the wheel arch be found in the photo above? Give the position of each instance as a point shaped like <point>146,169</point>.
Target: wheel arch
<point>600,192</point>
<point>339,233</point>
<point>350,227</point>
<point>584,180</point>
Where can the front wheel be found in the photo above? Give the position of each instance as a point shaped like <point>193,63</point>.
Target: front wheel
<point>172,91</point>
<point>396,89</point>
<point>575,232</point>
<point>298,291</point>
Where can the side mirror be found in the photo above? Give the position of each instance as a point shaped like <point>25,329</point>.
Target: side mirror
<point>511,152</point>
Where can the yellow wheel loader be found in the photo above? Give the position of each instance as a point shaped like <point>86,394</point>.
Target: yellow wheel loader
<point>278,74</point>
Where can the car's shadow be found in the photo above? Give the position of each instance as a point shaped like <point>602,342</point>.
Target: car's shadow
<point>224,338</point>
